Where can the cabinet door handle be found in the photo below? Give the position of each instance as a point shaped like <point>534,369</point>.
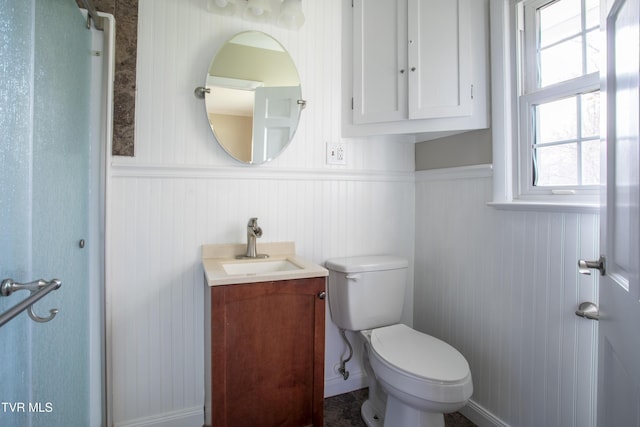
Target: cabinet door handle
<point>322,295</point>
<point>402,71</point>
<point>413,68</point>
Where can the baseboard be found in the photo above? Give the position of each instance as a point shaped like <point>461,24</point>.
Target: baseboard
<point>338,385</point>
<point>187,417</point>
<point>480,416</point>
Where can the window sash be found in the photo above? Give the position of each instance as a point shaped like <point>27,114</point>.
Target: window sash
<point>530,44</point>
<point>527,123</point>
<point>532,94</point>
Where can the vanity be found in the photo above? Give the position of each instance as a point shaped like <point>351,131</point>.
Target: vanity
<point>264,337</point>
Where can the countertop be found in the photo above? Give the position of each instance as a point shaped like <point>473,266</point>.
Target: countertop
<point>215,256</point>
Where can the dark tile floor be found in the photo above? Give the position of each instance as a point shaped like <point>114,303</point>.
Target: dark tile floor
<point>344,411</point>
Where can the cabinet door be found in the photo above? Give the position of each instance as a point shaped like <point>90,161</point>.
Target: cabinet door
<point>267,362</point>
<point>440,58</point>
<point>380,60</point>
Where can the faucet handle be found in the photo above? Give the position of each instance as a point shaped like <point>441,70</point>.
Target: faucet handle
<point>254,228</point>
<point>253,231</point>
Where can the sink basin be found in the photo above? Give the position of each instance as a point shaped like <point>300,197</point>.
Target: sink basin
<point>221,267</point>
<point>259,267</point>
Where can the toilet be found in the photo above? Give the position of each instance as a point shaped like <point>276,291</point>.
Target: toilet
<point>414,378</point>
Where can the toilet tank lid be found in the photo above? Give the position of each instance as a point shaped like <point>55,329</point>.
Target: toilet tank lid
<point>366,263</point>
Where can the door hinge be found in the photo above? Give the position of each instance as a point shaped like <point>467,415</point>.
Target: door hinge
<point>352,102</point>
<point>471,91</point>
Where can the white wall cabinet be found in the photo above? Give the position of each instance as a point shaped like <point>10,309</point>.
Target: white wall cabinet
<point>415,66</point>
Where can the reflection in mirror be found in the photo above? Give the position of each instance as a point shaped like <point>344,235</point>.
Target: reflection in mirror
<point>253,97</point>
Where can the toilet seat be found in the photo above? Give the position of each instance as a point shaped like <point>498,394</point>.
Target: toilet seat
<point>419,354</point>
<point>420,365</point>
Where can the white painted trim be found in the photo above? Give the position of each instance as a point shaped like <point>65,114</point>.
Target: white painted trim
<point>109,76</point>
<point>546,207</point>
<point>480,416</point>
<point>182,418</point>
<point>255,173</point>
<point>502,105</point>
<point>487,171</point>
<point>101,411</point>
<point>462,172</point>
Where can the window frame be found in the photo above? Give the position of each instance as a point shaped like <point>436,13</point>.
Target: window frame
<point>512,126</point>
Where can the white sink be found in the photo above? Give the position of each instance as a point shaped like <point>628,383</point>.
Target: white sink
<point>259,266</point>
<point>221,267</point>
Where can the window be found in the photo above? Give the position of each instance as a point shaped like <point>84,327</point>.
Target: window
<point>559,98</point>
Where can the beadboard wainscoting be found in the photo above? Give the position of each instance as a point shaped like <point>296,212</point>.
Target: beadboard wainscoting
<point>159,219</point>
<point>502,287</point>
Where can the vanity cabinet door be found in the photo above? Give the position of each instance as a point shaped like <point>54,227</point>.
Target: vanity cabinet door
<point>267,353</point>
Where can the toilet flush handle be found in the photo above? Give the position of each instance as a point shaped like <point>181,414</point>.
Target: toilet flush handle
<point>354,277</point>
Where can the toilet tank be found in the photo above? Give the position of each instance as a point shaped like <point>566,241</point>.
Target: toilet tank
<point>366,292</point>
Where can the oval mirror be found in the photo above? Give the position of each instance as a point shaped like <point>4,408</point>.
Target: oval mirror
<point>253,97</point>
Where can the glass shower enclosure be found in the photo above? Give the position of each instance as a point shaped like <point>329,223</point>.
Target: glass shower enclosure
<point>48,215</point>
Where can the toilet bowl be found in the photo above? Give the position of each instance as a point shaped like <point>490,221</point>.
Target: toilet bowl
<point>423,376</point>
<point>414,378</point>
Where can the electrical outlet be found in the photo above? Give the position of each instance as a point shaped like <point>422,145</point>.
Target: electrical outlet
<point>336,153</point>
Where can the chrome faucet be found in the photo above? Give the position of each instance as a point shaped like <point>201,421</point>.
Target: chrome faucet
<point>253,232</point>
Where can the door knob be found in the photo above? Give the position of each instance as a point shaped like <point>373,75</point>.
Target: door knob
<point>588,310</point>
<point>585,266</point>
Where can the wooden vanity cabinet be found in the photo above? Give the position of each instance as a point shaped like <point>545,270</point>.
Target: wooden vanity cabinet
<point>264,353</point>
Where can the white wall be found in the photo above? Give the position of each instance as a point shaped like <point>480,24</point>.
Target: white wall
<point>181,191</point>
<point>502,287</point>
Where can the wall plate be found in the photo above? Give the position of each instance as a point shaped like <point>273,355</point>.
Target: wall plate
<point>336,153</point>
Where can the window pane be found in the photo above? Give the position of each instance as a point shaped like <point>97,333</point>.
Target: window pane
<point>561,62</point>
<point>593,13</point>
<point>591,162</point>
<point>590,114</point>
<point>556,165</point>
<point>559,20</point>
<point>557,121</point>
<point>593,51</point>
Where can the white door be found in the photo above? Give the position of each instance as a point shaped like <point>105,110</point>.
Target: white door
<point>276,112</point>
<point>619,326</point>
